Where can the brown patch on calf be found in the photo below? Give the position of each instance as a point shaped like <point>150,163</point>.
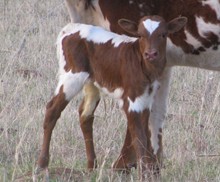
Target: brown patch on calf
<point>75,54</point>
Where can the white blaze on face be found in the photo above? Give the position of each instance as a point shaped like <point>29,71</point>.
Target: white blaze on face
<point>151,25</point>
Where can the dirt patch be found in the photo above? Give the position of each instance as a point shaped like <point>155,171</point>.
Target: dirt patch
<point>28,73</point>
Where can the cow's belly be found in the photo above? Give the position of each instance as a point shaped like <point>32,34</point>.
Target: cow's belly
<point>210,59</point>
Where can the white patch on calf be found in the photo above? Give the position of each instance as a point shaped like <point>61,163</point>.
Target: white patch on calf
<point>116,94</point>
<point>150,25</point>
<point>204,27</point>
<point>144,101</point>
<point>99,35</point>
<point>72,83</point>
<point>117,40</point>
<point>95,34</point>
<point>214,4</point>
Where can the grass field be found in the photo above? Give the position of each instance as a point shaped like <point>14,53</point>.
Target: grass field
<point>28,68</point>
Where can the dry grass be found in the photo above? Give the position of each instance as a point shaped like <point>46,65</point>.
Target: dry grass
<point>28,67</point>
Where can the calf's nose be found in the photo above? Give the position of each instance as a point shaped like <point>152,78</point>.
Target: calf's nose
<point>151,54</point>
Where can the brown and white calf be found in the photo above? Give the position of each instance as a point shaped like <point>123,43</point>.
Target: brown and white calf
<point>126,68</point>
<point>197,45</point>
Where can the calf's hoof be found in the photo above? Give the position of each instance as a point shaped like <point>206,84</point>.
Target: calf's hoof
<point>91,165</point>
<point>39,170</point>
<point>121,166</point>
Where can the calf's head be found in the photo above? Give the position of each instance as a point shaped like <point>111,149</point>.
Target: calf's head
<point>152,32</point>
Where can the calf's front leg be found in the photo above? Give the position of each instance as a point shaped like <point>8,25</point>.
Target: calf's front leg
<point>127,156</point>
<point>139,141</point>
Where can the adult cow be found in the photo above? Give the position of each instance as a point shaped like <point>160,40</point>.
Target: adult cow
<point>196,46</point>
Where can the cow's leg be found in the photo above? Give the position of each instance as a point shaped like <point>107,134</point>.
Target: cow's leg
<point>73,11</point>
<point>157,118</point>
<point>127,158</point>
<point>81,11</point>
<point>69,85</point>
<point>86,114</point>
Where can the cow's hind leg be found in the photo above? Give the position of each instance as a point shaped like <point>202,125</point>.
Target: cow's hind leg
<point>157,118</point>
<point>86,114</point>
<point>69,85</point>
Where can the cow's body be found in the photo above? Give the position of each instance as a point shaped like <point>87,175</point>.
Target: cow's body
<point>189,47</point>
<point>195,46</point>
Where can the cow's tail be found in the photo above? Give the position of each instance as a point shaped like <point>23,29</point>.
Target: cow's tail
<point>79,10</point>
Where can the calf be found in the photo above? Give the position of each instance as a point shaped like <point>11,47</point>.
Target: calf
<point>197,45</point>
<point>126,68</point>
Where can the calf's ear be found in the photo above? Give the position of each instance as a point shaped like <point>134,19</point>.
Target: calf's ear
<point>129,26</point>
<point>176,24</point>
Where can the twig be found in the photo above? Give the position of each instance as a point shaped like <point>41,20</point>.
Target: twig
<point>208,155</point>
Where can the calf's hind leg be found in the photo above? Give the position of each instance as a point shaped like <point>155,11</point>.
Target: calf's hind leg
<point>53,111</point>
<point>86,115</point>
<point>69,85</point>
